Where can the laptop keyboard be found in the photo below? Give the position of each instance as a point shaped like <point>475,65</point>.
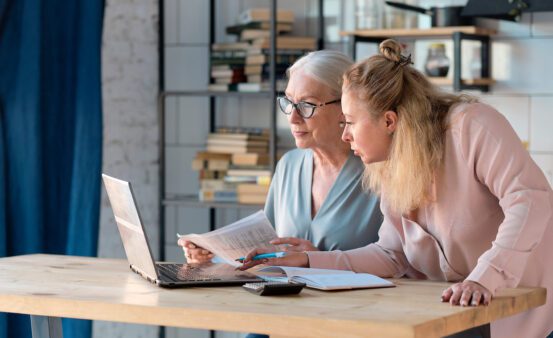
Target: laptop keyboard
<point>186,273</point>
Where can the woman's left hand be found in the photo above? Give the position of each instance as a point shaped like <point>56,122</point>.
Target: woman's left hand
<point>467,293</point>
<point>294,244</point>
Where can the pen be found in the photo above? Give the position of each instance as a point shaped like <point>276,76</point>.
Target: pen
<point>265,255</point>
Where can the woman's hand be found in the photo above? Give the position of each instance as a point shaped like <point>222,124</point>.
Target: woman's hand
<point>193,253</point>
<point>467,293</point>
<point>294,244</point>
<point>291,259</point>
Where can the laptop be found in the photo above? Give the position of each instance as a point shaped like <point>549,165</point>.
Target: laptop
<point>139,255</point>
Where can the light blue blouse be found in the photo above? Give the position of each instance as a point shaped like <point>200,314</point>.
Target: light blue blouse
<point>348,218</point>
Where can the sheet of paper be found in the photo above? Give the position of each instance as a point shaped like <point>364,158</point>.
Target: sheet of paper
<point>237,239</point>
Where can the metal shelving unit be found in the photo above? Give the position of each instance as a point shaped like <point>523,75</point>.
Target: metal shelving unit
<point>192,201</point>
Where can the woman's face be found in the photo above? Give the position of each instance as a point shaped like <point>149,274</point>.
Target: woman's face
<point>370,139</point>
<point>321,130</point>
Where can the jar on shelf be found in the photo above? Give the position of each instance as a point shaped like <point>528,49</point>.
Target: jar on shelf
<point>437,63</point>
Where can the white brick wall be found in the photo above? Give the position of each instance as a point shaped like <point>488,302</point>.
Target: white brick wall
<point>129,89</point>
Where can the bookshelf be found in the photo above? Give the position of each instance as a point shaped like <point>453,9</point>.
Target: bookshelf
<point>457,34</point>
<point>271,95</point>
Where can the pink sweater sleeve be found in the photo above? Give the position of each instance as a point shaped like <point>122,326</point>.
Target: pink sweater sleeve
<point>495,154</point>
<point>384,258</point>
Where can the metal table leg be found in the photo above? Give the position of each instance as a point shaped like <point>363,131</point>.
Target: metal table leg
<point>46,327</point>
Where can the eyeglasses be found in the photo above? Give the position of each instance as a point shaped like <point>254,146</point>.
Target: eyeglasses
<point>305,109</point>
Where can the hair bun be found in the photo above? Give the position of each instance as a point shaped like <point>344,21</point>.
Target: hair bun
<point>391,50</point>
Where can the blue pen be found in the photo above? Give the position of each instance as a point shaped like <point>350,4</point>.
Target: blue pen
<point>265,255</point>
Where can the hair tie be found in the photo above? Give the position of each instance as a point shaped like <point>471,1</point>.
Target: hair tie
<point>404,61</point>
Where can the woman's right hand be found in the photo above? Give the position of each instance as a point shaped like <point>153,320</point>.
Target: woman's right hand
<point>299,259</point>
<point>194,253</point>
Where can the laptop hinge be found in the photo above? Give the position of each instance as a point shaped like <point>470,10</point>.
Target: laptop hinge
<point>143,274</point>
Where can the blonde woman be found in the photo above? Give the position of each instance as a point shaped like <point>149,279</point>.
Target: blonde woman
<point>462,199</point>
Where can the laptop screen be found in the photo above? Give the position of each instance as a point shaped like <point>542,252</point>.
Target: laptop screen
<point>130,227</point>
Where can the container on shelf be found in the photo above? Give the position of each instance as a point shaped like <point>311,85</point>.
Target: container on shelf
<point>437,63</point>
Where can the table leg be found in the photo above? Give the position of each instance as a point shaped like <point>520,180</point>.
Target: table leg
<point>46,327</point>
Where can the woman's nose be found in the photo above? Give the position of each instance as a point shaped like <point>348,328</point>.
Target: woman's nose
<point>346,135</point>
<point>295,116</point>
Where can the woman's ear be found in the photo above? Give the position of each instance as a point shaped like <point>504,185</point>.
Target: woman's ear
<point>390,118</point>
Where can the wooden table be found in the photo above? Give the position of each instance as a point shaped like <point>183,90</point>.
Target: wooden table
<point>48,287</point>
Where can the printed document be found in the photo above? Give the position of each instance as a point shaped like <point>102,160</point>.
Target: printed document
<point>237,239</point>
<point>325,279</point>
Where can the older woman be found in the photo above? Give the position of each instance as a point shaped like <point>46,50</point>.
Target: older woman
<point>462,199</point>
<point>315,186</point>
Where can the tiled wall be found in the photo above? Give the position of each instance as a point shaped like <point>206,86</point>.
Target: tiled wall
<point>521,65</point>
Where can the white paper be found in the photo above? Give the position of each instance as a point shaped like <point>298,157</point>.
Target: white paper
<point>326,279</point>
<point>237,239</point>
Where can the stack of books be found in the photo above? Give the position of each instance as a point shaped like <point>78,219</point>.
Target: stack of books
<point>244,65</point>
<point>235,166</point>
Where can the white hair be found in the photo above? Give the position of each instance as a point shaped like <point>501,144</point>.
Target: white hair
<point>325,66</point>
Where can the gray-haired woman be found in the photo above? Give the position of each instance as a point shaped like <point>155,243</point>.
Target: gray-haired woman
<point>318,185</point>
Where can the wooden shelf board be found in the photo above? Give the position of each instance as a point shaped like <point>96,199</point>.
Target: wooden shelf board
<point>215,93</point>
<point>426,32</point>
<point>193,201</point>
<point>445,81</point>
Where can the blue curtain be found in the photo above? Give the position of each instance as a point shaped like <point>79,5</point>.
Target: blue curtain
<point>50,134</point>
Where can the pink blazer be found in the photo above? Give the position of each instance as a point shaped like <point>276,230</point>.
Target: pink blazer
<point>490,222</point>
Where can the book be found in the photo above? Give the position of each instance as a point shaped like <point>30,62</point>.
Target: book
<point>206,155</point>
<point>242,130</point>
<point>249,87</point>
<point>261,180</point>
<point>249,172</point>
<point>252,198</point>
<point>252,189</point>
<point>239,136</point>
<point>236,142</point>
<point>250,159</point>
<point>288,42</point>
<point>264,14</point>
<point>231,149</point>
<point>212,195</point>
<point>225,46</point>
<point>326,279</point>
<point>222,87</point>
<point>199,164</point>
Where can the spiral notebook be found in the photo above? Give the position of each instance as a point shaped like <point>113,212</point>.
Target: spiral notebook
<point>324,279</point>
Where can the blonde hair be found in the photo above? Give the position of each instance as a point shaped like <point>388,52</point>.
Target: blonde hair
<point>325,66</point>
<point>387,82</point>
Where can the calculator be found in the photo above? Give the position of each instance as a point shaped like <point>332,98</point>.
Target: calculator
<point>274,288</point>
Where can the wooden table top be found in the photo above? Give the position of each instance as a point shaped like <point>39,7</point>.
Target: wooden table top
<point>106,289</point>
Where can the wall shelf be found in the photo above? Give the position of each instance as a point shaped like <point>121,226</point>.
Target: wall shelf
<point>419,33</point>
<point>192,201</point>
<point>457,34</point>
<point>445,81</point>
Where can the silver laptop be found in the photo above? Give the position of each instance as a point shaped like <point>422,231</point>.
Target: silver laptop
<point>140,256</point>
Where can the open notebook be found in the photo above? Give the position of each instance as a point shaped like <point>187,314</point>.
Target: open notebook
<point>324,279</point>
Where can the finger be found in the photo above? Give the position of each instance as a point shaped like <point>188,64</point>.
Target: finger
<point>286,240</point>
<point>487,297</point>
<point>465,297</point>
<point>190,245</point>
<point>476,296</point>
<point>198,252</point>
<point>446,294</point>
<point>456,296</point>
<point>251,264</point>
<point>249,257</point>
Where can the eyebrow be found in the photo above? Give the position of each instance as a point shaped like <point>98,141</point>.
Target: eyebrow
<point>305,98</point>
